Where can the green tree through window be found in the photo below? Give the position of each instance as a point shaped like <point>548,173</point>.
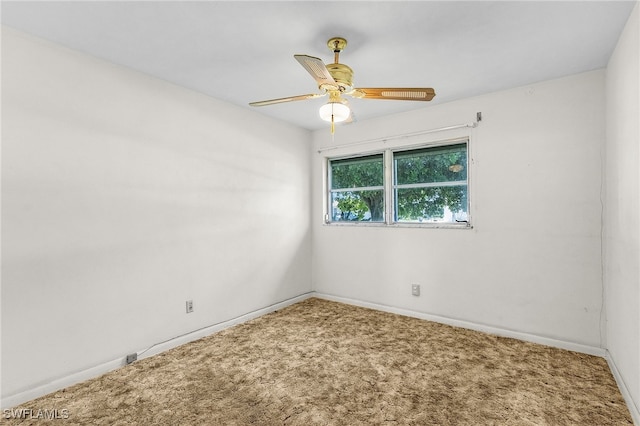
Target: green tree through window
<point>431,184</point>
<point>357,189</point>
<point>427,185</point>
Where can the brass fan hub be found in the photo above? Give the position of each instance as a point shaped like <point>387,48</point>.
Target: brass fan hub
<point>342,74</point>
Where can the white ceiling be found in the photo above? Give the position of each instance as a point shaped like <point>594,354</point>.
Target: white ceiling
<point>242,51</point>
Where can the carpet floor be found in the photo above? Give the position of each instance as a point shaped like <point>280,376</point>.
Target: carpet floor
<point>320,362</point>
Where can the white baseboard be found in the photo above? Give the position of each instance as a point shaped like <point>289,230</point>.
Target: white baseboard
<point>572,346</point>
<point>72,379</point>
<point>63,382</point>
<point>624,390</point>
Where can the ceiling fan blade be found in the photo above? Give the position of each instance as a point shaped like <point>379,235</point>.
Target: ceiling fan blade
<point>317,69</point>
<point>398,93</point>
<point>289,99</point>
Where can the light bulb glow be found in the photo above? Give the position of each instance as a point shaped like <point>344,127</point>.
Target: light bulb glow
<point>339,111</point>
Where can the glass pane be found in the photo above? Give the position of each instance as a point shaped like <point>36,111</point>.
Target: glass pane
<point>438,164</point>
<point>357,206</point>
<point>446,204</point>
<point>357,172</point>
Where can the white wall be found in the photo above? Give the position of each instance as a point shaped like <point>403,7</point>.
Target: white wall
<point>122,197</point>
<point>622,223</point>
<point>532,261</point>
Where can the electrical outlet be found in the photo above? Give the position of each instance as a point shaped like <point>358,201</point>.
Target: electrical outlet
<point>189,306</point>
<point>132,357</point>
<point>415,289</point>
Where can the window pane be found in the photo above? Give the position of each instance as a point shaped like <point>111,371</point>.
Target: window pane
<point>438,164</point>
<point>357,206</point>
<point>432,204</point>
<point>358,172</point>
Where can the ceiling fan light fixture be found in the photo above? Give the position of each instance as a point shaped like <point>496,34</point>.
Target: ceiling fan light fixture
<point>334,112</point>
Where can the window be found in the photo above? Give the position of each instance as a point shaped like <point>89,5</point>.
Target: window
<point>357,189</point>
<point>428,185</point>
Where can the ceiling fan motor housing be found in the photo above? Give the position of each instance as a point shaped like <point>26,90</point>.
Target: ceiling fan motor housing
<point>342,74</point>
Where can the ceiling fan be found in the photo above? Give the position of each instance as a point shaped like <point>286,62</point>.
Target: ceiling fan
<point>336,80</point>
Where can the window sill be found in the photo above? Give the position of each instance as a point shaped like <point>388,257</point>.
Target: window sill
<point>402,225</point>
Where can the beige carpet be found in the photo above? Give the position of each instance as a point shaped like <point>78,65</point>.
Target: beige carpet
<point>324,363</point>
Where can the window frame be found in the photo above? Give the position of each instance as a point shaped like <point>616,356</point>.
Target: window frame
<point>389,186</point>
<point>329,190</point>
